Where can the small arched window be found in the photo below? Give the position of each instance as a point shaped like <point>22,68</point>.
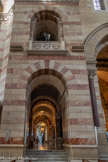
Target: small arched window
<point>99,4</point>
<point>46,31</point>
<point>46,26</point>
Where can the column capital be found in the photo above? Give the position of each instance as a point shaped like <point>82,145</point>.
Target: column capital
<point>91,73</point>
<point>7,16</point>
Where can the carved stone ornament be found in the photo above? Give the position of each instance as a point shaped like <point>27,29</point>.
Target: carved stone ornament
<point>91,73</point>
<point>7,16</point>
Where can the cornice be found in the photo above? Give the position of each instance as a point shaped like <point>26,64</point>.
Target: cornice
<point>91,65</point>
<point>48,52</point>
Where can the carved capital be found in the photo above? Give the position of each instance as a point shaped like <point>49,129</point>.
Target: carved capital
<point>91,73</point>
<point>7,16</point>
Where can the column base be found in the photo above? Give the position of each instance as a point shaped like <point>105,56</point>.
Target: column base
<point>83,152</point>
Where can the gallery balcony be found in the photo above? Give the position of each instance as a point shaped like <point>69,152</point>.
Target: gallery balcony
<point>47,48</point>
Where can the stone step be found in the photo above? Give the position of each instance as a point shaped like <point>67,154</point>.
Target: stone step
<point>31,150</point>
<point>103,156</point>
<point>47,160</point>
<point>34,153</point>
<point>46,156</point>
<point>56,159</point>
<point>45,152</point>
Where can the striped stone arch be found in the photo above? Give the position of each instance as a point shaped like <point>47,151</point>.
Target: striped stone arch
<point>65,74</point>
<point>93,40</point>
<point>55,10</point>
<point>46,15</point>
<point>40,119</point>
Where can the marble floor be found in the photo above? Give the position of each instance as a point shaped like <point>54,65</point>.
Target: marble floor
<point>41,146</point>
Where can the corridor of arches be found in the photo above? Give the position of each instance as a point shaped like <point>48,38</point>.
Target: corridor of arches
<point>44,114</point>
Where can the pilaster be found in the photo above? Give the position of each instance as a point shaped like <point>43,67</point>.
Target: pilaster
<point>6,21</point>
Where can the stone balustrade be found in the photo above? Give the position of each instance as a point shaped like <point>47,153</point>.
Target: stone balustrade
<point>46,46</point>
<point>37,45</point>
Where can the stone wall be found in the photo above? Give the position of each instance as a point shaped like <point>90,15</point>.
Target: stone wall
<point>91,19</point>
<point>5,37</point>
<point>78,22</point>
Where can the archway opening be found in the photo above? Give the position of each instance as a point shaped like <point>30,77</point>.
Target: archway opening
<point>45,26</point>
<point>45,104</point>
<point>102,73</point>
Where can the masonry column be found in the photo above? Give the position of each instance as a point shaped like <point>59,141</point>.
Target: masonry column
<point>91,74</point>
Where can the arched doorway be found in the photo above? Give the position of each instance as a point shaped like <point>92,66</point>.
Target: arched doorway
<point>45,104</point>
<point>96,49</point>
<point>102,74</point>
<point>96,55</point>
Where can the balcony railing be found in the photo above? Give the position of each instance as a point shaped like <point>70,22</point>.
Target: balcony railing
<point>47,47</point>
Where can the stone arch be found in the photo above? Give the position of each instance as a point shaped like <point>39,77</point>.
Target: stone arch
<point>95,46</point>
<point>46,21</point>
<point>102,45</point>
<point>40,119</point>
<point>46,115</point>
<point>93,40</point>
<point>65,74</point>
<point>53,68</point>
<point>46,14</point>
<point>59,11</point>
